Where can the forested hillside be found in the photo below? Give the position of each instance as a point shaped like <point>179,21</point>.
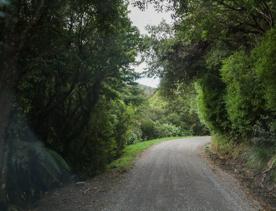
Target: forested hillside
<point>69,101</point>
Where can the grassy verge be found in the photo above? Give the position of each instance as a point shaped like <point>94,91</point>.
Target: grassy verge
<point>132,151</point>
<point>254,165</point>
<point>255,158</point>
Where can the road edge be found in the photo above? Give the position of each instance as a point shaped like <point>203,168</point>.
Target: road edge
<point>219,166</point>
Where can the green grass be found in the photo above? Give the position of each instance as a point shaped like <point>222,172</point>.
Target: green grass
<point>222,146</point>
<point>258,157</point>
<point>132,151</point>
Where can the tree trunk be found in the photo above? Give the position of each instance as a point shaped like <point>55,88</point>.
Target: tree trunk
<point>13,41</point>
<point>5,107</point>
<point>8,78</point>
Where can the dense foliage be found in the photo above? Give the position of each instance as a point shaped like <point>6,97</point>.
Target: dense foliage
<point>225,50</point>
<point>67,94</point>
<point>228,56</point>
<point>65,75</point>
<point>167,116</point>
<point>68,99</point>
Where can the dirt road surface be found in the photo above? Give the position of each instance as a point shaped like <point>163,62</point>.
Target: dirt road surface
<point>171,176</point>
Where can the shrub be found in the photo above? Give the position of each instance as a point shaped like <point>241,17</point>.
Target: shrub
<point>103,140</point>
<point>170,130</point>
<point>222,145</point>
<point>134,136</point>
<point>265,67</point>
<point>149,130</point>
<point>211,105</point>
<point>243,98</point>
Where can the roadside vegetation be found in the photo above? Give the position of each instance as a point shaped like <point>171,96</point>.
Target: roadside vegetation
<point>225,51</point>
<point>68,98</point>
<point>70,105</point>
<point>253,165</point>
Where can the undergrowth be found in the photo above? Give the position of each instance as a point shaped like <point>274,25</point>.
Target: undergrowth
<point>258,159</point>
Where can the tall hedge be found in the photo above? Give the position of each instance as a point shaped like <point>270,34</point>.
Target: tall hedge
<point>265,67</point>
<point>241,101</point>
<point>243,98</point>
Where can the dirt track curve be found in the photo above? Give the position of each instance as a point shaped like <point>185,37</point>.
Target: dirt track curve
<point>171,176</point>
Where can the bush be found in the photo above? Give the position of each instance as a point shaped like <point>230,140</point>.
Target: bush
<point>243,98</point>
<point>211,105</point>
<point>170,130</point>
<point>134,136</point>
<point>265,67</point>
<point>149,130</point>
<point>222,145</point>
<point>104,139</point>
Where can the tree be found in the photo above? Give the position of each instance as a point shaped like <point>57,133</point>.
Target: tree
<point>207,36</point>
<point>62,62</point>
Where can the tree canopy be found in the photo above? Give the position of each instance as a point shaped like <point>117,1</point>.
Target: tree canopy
<point>69,100</point>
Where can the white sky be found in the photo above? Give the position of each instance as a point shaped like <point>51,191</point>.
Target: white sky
<point>141,19</point>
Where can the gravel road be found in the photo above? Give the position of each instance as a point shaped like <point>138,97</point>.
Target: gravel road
<point>171,176</point>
